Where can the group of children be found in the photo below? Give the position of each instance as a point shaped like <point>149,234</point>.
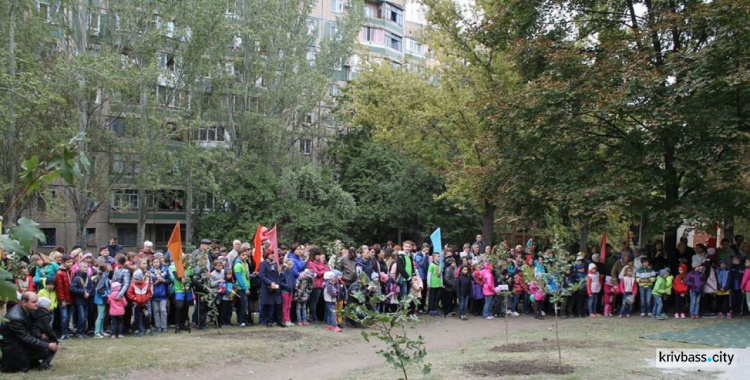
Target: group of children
<point>91,294</point>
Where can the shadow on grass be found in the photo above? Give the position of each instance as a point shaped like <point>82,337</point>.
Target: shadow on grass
<point>275,335</point>
<point>516,368</point>
<point>544,345</point>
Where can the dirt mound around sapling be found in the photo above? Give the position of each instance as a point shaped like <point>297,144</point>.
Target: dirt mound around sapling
<point>516,368</point>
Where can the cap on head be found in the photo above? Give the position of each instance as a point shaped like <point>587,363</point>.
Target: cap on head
<point>592,266</point>
<point>138,275</point>
<point>205,241</point>
<point>44,302</point>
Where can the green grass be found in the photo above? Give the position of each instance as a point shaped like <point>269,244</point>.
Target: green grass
<point>595,348</point>
<point>97,358</point>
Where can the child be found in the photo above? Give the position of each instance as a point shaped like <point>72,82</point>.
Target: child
<point>611,290</point>
<point>745,283</point>
<point>723,283</point>
<point>737,270</point>
<point>101,292</point>
<point>629,289</point>
<point>44,269</point>
<point>226,294</point>
<point>140,294</point>
<point>488,290</point>
<point>536,288</point>
<point>81,288</point>
<point>161,281</point>
<point>464,287</point>
<point>477,294</point>
<point>519,288</point>
<point>117,310</point>
<point>593,288</point>
<point>342,294</point>
<point>694,281</point>
<point>303,288</point>
<point>24,281</point>
<point>709,291</point>
<point>434,284</point>
<point>48,290</point>
<point>646,277</point>
<point>680,288</point>
<point>330,294</point>
<point>662,287</point>
<point>287,288</point>
<point>62,287</point>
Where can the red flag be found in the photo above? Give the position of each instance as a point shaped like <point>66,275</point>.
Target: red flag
<point>175,249</point>
<point>270,235</point>
<point>257,254</point>
<point>603,250</point>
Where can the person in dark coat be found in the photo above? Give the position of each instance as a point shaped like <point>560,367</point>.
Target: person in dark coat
<point>22,351</point>
<point>41,321</point>
<point>270,294</point>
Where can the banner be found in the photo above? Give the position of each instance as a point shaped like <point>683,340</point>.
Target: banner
<point>270,235</point>
<point>175,249</point>
<point>437,244</point>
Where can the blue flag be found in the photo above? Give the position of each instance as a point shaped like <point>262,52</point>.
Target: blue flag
<point>437,244</point>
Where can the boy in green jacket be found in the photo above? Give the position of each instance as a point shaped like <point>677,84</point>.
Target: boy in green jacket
<point>662,287</point>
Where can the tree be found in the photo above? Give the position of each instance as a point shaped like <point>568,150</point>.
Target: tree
<point>620,99</point>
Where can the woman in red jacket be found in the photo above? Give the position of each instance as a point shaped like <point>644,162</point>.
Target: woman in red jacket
<point>318,266</point>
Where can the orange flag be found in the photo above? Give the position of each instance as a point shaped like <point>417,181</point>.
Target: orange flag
<point>175,249</point>
<point>258,242</point>
<point>270,235</point>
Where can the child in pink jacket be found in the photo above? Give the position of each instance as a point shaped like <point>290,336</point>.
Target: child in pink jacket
<point>488,290</point>
<point>117,310</point>
<point>537,290</point>
<point>745,284</point>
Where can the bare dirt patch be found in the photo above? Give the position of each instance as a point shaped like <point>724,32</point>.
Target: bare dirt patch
<point>275,335</point>
<point>542,345</point>
<point>516,368</point>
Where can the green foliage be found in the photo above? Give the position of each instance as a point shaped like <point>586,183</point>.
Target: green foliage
<point>401,351</point>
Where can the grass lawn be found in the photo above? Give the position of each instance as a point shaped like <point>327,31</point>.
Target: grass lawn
<point>591,348</point>
<point>97,358</point>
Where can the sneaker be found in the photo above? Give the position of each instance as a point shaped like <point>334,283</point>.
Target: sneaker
<point>289,324</point>
<point>650,315</point>
<point>98,336</point>
<point>676,315</point>
<point>300,324</point>
<point>243,325</point>
<point>721,315</point>
<point>120,336</point>
<point>682,315</point>
<point>330,328</point>
<point>619,316</point>
<point>643,314</point>
<point>489,317</point>
<point>306,323</point>
<point>338,329</point>
<point>515,314</point>
<point>65,337</point>
<point>543,314</point>
<point>627,316</point>
<point>106,334</point>
<point>113,337</point>
<point>148,332</point>
<point>81,336</point>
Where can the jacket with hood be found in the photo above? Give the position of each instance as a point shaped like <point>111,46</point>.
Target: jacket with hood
<point>449,279</point>
<point>101,288</point>
<point>628,285</point>
<point>737,271</point>
<point>161,290</point>
<point>723,281</point>
<point>318,270</point>
<point>745,283</point>
<point>663,285</point>
<point>62,285</point>
<point>694,281</point>
<point>519,286</point>
<point>593,283</point>
<point>79,286</point>
<point>488,280</point>
<point>463,285</point>
<point>646,277</point>
<point>139,294</point>
<point>116,306</point>
<point>679,285</point>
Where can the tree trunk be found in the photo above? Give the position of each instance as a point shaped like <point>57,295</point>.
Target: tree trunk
<point>142,214</point>
<point>189,208</point>
<point>583,244</point>
<point>488,222</point>
<point>10,148</point>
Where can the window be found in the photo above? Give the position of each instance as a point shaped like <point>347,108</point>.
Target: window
<point>44,10</point>
<point>166,61</point>
<point>91,237</point>
<point>393,41</point>
<point>337,6</point>
<point>231,7</point>
<point>164,232</point>
<point>334,32</point>
<point>50,237</point>
<point>311,58</point>
<point>170,29</point>
<point>305,146</point>
<point>118,126</point>
<point>393,14</point>
<point>413,46</point>
<point>94,23</point>
<point>371,35</point>
<point>334,91</point>
<point>127,235</point>
<point>369,12</point>
<point>163,96</point>
<point>308,119</point>
<point>125,199</point>
<point>211,134</point>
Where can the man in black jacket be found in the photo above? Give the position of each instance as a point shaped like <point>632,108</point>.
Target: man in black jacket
<point>22,351</point>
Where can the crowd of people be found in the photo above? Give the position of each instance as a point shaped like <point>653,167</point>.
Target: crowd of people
<point>72,293</point>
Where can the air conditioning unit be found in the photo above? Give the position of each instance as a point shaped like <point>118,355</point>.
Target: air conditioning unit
<point>347,63</point>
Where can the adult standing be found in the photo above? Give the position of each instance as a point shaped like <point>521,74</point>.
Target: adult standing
<point>113,247</point>
<point>204,250</point>
<point>349,266</point>
<point>364,262</point>
<point>147,252</point>
<point>480,242</point>
<point>270,292</point>
<point>317,265</point>
<point>232,255</point>
<point>21,350</point>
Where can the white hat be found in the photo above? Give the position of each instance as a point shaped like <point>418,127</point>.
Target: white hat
<point>328,275</point>
<point>592,266</point>
<point>44,302</point>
